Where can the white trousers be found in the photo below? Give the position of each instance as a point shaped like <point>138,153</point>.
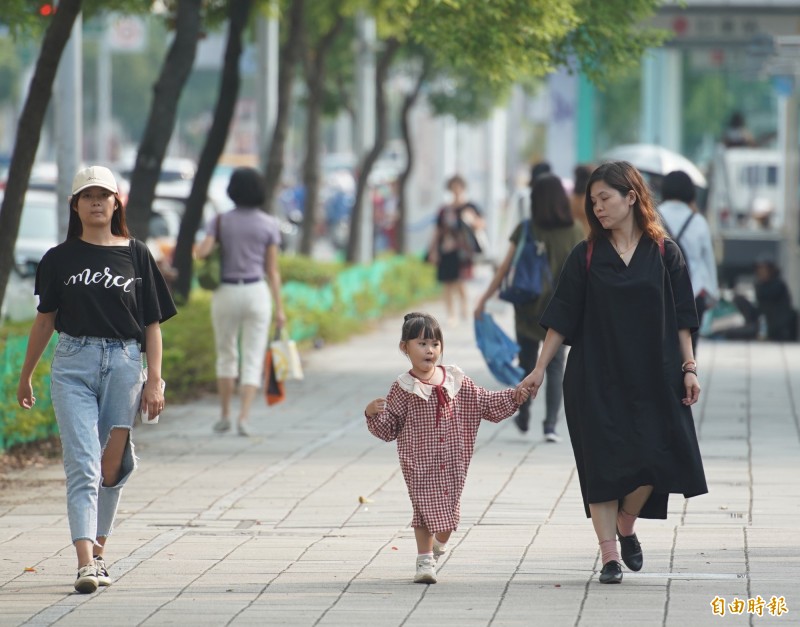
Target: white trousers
<point>241,316</point>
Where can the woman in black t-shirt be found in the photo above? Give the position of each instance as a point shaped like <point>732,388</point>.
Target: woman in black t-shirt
<point>94,289</point>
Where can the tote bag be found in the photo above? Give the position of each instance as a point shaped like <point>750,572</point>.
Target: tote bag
<point>286,358</point>
<point>274,391</point>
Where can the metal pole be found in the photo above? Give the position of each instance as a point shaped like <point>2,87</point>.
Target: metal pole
<point>651,97</point>
<point>365,121</point>
<point>68,105</point>
<point>496,128</point>
<point>268,67</point>
<point>104,95</point>
<point>671,109</point>
<point>789,181</point>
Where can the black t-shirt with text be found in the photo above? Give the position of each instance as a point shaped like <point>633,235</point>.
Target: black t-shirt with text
<point>92,289</point>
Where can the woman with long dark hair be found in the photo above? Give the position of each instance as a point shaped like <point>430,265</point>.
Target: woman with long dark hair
<point>624,303</point>
<point>97,289</point>
<point>552,225</point>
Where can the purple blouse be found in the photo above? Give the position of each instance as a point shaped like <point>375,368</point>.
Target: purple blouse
<point>246,234</point>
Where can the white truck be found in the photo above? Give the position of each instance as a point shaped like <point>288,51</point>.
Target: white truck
<point>744,209</point>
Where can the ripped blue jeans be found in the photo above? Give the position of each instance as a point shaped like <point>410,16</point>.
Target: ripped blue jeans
<point>95,386</point>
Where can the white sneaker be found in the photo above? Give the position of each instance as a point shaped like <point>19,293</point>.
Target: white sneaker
<point>552,436</point>
<point>103,578</point>
<point>426,570</point>
<point>439,549</point>
<point>87,582</point>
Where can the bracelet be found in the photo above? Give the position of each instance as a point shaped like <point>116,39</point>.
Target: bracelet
<point>686,363</point>
<point>688,370</point>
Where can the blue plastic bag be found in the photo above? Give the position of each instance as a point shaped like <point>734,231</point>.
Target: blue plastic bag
<point>499,350</point>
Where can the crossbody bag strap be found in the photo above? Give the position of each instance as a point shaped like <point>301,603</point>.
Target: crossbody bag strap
<point>219,243</point>
<point>589,253</point>
<point>139,290</point>
<point>683,228</point>
<point>521,243</point>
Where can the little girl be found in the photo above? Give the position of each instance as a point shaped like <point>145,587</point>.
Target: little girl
<point>433,412</point>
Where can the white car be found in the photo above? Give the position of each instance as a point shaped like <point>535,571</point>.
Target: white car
<point>38,230</point>
<point>38,233</point>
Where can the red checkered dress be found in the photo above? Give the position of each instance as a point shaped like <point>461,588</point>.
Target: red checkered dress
<point>435,433</point>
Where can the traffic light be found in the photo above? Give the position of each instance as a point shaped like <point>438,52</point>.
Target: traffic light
<point>46,9</point>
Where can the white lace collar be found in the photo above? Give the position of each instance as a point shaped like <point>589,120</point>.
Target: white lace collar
<point>453,378</point>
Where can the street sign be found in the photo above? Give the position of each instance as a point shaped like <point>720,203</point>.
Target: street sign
<point>723,28</point>
<point>127,33</point>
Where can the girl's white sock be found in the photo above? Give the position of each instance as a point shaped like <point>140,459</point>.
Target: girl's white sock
<point>425,554</point>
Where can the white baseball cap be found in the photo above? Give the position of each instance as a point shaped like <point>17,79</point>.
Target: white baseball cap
<point>94,176</point>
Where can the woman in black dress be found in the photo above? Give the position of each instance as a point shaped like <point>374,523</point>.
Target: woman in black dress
<point>624,303</point>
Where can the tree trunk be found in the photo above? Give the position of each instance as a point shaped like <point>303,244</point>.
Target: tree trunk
<point>289,58</point>
<point>311,163</point>
<point>29,132</point>
<point>160,123</point>
<point>381,73</point>
<point>315,60</point>
<point>238,14</point>
<point>402,181</point>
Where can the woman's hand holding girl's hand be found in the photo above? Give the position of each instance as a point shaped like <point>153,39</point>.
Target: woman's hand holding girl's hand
<point>523,394</point>
<point>692,388</point>
<point>153,397</point>
<point>375,407</point>
<point>529,386</point>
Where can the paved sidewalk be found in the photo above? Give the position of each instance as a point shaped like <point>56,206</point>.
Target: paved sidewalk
<point>269,530</point>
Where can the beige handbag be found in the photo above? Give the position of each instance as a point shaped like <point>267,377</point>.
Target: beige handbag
<point>285,357</point>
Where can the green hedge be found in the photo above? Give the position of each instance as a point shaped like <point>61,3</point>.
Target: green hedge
<point>18,425</point>
<point>325,302</point>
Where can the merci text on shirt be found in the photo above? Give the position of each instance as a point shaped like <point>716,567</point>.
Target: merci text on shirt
<point>87,277</point>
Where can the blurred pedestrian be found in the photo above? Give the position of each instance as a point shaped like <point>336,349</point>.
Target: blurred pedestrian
<point>581,175</point>
<point>433,412</point>
<point>624,303</point>
<point>737,134</point>
<point>538,169</point>
<point>242,306</point>
<point>689,230</point>
<point>455,246</point>
<point>775,301</point>
<point>550,223</point>
<point>97,295</point>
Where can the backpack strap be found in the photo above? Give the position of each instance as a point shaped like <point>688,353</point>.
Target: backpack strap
<point>521,244</point>
<point>683,228</point>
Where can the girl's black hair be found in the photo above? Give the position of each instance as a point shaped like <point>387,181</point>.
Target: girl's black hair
<point>422,325</point>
